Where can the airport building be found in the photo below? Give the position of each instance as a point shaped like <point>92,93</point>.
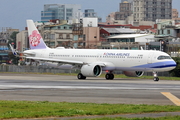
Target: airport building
<point>125,10</point>
<point>60,11</point>
<point>150,10</point>
<point>175,15</point>
<point>141,12</point>
<point>90,13</point>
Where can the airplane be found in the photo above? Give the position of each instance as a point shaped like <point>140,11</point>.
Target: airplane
<point>92,62</point>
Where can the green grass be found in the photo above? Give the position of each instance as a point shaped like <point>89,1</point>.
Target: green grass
<point>28,109</point>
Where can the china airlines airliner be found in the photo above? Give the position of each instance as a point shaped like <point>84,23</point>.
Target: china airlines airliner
<point>92,62</point>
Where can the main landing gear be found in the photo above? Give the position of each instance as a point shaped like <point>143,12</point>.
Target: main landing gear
<point>80,76</point>
<point>156,78</point>
<point>109,76</point>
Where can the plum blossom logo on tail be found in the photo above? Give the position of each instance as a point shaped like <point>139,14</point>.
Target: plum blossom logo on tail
<point>34,38</point>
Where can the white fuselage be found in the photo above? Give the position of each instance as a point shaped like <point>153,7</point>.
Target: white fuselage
<point>124,60</point>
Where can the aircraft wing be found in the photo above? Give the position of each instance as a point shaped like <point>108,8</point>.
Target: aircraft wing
<point>56,60</point>
<point>65,61</point>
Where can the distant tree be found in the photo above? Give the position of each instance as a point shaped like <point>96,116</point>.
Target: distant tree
<point>13,39</point>
<point>176,72</point>
<point>13,58</point>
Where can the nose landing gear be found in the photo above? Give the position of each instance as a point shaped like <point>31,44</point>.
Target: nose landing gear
<point>156,78</point>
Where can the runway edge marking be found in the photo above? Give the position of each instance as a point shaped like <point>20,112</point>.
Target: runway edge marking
<point>171,97</point>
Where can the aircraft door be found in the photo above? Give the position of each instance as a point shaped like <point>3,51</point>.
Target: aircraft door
<point>150,58</point>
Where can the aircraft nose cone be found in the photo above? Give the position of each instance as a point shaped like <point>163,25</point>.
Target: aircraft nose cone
<point>172,64</point>
<point>175,64</point>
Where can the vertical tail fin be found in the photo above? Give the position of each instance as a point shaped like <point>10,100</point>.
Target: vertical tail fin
<point>35,39</point>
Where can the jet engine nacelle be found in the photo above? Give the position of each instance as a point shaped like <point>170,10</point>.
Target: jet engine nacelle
<point>134,73</point>
<point>91,70</point>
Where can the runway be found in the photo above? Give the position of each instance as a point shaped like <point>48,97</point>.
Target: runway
<point>34,87</point>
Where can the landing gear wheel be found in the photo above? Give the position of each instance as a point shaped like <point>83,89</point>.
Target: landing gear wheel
<point>112,76</point>
<point>155,74</point>
<point>109,76</point>
<point>80,76</point>
<point>156,79</point>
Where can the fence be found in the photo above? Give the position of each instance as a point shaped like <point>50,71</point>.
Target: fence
<point>34,69</point>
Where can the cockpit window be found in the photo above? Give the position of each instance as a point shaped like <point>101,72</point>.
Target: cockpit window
<point>164,57</point>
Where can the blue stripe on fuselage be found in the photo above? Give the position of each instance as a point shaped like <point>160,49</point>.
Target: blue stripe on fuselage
<point>158,65</point>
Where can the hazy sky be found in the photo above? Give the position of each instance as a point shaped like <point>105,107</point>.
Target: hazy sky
<point>13,13</point>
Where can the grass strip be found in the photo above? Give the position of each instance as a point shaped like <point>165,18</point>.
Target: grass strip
<point>29,109</point>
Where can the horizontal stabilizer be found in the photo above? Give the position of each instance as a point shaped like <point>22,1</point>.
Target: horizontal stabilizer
<point>13,50</point>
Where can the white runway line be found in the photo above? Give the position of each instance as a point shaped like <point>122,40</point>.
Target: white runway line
<point>77,87</point>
